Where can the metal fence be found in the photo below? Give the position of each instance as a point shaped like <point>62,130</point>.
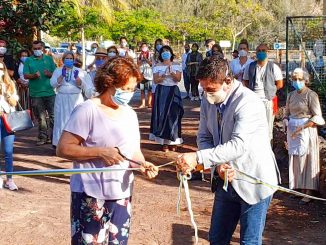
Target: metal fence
<point>306,48</point>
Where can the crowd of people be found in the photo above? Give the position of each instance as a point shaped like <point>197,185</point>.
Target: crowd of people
<point>84,114</point>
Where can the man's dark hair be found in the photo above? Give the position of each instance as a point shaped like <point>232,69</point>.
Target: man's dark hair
<point>213,68</point>
<point>245,42</point>
<point>38,42</point>
<point>208,41</point>
<point>121,38</point>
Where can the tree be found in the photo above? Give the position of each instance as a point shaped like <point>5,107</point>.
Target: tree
<point>22,21</point>
<point>138,25</point>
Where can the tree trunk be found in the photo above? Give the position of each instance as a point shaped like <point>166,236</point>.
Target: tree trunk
<point>83,47</point>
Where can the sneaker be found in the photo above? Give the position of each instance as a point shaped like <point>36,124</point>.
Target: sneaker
<point>186,98</point>
<point>10,184</point>
<point>192,98</point>
<point>1,183</point>
<point>196,98</point>
<point>41,142</point>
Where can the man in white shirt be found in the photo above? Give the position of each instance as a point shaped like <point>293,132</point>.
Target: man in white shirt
<point>186,80</point>
<point>264,78</point>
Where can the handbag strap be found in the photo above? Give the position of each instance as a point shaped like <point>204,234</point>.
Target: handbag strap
<point>19,105</point>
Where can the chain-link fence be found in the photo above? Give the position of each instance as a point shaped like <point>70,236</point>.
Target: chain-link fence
<point>306,48</point>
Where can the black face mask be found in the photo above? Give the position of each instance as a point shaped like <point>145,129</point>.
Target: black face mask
<point>187,50</point>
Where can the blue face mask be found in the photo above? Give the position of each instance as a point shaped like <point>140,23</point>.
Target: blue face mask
<point>158,47</point>
<point>99,63</point>
<point>122,97</point>
<point>261,56</point>
<point>68,63</point>
<point>166,55</point>
<point>298,85</point>
<point>23,59</point>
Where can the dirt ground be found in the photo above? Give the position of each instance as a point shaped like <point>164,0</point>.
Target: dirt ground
<point>39,212</point>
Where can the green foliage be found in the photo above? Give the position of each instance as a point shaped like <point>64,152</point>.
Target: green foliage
<point>20,20</point>
<point>138,25</point>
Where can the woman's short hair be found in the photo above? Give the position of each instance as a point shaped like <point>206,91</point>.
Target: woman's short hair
<point>214,68</point>
<point>162,50</point>
<point>67,53</point>
<point>218,47</point>
<point>116,73</point>
<point>113,47</point>
<point>304,72</point>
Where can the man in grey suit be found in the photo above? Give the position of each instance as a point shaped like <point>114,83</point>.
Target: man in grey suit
<point>233,134</point>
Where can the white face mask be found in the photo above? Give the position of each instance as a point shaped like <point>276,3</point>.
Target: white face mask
<point>243,53</point>
<point>112,54</point>
<point>38,53</point>
<point>3,50</point>
<point>216,97</point>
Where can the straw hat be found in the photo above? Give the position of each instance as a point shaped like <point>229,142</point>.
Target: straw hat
<point>101,52</point>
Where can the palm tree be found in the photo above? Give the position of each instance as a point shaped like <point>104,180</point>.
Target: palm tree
<point>106,7</point>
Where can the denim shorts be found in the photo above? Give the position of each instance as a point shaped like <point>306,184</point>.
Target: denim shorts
<point>146,85</point>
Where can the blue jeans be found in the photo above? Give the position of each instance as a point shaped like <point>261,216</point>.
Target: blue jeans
<point>228,209</point>
<point>7,141</point>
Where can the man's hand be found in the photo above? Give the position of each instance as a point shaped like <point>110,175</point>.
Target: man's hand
<point>111,156</point>
<point>37,75</point>
<point>149,169</point>
<point>47,73</point>
<point>221,169</point>
<point>187,162</point>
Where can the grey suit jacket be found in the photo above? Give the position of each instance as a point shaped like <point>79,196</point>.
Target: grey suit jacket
<point>243,141</point>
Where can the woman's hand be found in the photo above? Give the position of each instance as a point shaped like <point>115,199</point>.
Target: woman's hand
<point>149,169</point>
<point>111,156</point>
<point>60,79</point>
<point>78,82</point>
<point>297,132</point>
<point>12,101</point>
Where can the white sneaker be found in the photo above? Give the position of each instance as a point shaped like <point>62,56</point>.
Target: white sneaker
<point>196,98</point>
<point>1,183</point>
<point>10,184</point>
<point>192,98</point>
